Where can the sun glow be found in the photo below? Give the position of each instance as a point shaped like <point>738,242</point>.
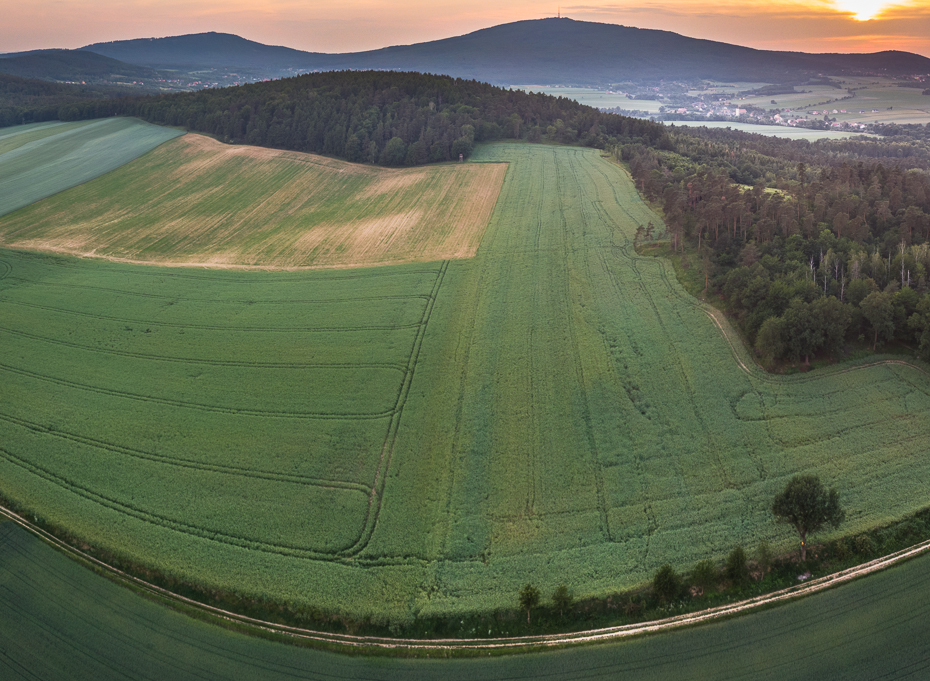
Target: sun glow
<point>862,10</point>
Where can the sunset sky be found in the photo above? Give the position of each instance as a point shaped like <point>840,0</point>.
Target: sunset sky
<point>353,25</point>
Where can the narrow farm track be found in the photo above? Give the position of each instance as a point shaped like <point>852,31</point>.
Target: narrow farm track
<point>421,440</point>
<point>870,628</point>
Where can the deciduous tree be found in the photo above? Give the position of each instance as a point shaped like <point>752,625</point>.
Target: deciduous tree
<point>529,599</point>
<point>807,505</point>
<point>562,598</point>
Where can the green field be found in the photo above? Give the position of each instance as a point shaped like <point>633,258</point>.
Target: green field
<point>804,97</point>
<point>61,622</point>
<point>197,201</point>
<point>772,130</point>
<point>39,160</point>
<point>424,439</point>
<point>599,99</point>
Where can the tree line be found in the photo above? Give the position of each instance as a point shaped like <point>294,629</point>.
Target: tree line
<point>821,249</point>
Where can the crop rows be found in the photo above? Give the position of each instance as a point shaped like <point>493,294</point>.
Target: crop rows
<point>201,202</point>
<point>425,438</point>
<point>310,489</point>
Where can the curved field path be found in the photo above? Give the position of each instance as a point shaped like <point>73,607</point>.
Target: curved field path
<point>60,621</point>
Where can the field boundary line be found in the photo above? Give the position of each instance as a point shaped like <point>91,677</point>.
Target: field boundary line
<point>167,523</point>
<point>185,463</point>
<point>349,416</point>
<point>376,497</point>
<point>249,301</point>
<point>214,327</point>
<point>762,374</point>
<point>210,362</point>
<point>515,643</point>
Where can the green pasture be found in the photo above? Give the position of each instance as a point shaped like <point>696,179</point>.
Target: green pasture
<point>805,96</point>
<point>600,99</point>
<point>425,439</point>
<point>894,105</point>
<point>771,130</point>
<point>39,160</point>
<point>59,621</point>
<point>726,88</point>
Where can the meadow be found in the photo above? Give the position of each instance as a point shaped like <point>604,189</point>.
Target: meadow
<point>42,159</point>
<point>772,130</point>
<point>600,99</point>
<point>423,439</point>
<point>197,201</point>
<point>61,622</point>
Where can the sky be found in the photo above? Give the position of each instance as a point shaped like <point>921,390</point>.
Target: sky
<point>355,25</point>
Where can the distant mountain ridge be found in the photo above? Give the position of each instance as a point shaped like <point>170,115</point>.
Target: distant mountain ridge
<point>72,65</point>
<point>205,50</point>
<point>544,51</point>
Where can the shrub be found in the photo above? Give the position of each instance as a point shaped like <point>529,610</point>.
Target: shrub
<point>666,584</point>
<point>864,545</point>
<point>704,576</point>
<point>737,567</point>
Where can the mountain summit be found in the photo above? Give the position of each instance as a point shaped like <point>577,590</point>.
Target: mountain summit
<point>535,51</point>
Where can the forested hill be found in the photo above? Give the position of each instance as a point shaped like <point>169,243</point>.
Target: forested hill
<point>536,51</point>
<point>73,65</point>
<point>203,50</point>
<point>378,117</point>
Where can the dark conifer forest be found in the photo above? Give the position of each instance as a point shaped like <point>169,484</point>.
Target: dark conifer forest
<point>382,117</point>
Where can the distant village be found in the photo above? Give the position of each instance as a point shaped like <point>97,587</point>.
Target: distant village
<point>728,110</point>
<point>682,103</point>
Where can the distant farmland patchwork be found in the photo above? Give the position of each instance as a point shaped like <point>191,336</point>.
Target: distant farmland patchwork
<point>425,438</point>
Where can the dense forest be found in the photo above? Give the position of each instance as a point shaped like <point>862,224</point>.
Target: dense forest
<point>24,100</point>
<point>810,246</point>
<point>384,117</point>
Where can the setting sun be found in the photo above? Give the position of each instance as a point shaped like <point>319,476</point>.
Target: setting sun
<point>862,10</point>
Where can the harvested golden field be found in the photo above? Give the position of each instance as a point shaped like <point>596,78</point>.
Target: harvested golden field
<point>197,201</point>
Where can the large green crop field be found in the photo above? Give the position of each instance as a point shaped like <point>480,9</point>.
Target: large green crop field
<point>427,438</point>
<point>61,622</point>
<point>197,201</point>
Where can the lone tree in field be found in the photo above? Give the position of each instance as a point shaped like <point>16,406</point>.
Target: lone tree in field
<point>808,506</point>
<point>529,599</point>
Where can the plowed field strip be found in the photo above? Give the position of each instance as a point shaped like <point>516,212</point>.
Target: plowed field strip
<point>301,279</point>
<point>181,462</point>
<point>198,202</point>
